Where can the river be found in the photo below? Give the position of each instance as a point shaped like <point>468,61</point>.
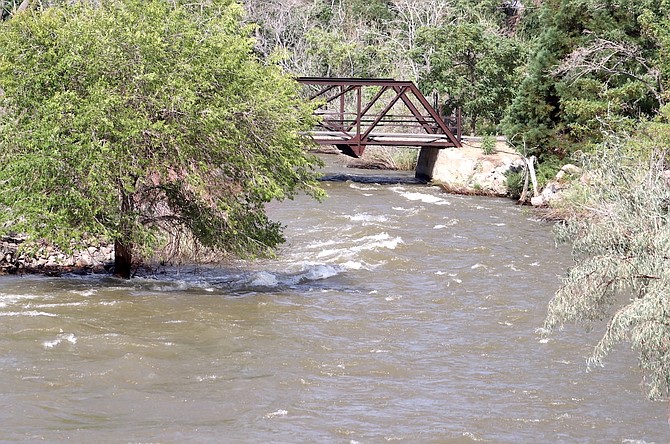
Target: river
<point>394,313</point>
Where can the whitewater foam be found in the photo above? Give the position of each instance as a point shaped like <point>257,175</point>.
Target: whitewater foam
<point>31,313</point>
<point>264,279</point>
<point>320,272</point>
<point>422,197</point>
<point>71,338</point>
<point>348,253</point>
<point>364,217</point>
<point>357,186</point>
<point>86,293</point>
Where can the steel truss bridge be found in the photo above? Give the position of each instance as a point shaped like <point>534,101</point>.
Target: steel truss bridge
<point>356,113</point>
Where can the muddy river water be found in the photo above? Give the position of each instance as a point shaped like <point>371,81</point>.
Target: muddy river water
<point>394,313</point>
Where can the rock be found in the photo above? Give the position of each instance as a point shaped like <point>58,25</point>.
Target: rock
<point>568,171</point>
<point>47,259</point>
<point>572,170</point>
<point>83,261</point>
<point>538,201</point>
<point>469,170</point>
<point>551,192</point>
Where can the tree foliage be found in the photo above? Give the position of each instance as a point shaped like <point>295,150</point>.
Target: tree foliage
<point>595,60</point>
<point>128,119</point>
<point>620,243</point>
<point>475,68</point>
<point>359,38</point>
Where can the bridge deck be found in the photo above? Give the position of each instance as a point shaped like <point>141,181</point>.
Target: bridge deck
<point>386,139</point>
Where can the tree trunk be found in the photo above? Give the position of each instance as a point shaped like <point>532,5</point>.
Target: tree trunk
<point>123,255</point>
<point>123,260</point>
<point>531,168</point>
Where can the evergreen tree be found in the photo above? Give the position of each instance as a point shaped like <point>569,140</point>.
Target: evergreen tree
<point>593,61</point>
<point>534,113</point>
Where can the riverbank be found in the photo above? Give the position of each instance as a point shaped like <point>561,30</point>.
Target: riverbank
<point>480,167</point>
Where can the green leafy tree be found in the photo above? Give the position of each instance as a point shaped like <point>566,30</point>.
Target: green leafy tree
<point>620,242</point>
<point>474,67</point>
<point>126,120</point>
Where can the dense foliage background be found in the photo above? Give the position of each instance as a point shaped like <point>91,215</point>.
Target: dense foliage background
<point>549,74</point>
<point>546,73</point>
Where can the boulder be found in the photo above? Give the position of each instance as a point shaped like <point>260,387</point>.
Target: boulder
<point>551,192</point>
<point>469,170</point>
<point>555,190</point>
<point>572,170</point>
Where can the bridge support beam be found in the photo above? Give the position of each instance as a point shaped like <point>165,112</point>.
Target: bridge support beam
<point>425,165</point>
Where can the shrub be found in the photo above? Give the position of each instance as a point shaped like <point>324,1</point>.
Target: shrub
<point>488,144</point>
<point>515,181</point>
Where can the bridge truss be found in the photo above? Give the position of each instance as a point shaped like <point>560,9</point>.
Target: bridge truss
<point>357,112</point>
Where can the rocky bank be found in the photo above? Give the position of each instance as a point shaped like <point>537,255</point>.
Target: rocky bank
<point>44,258</point>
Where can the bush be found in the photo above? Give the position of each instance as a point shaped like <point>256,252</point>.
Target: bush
<point>546,170</point>
<point>620,237</point>
<point>515,181</point>
<point>488,144</point>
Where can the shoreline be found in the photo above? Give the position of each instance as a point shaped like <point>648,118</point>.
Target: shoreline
<point>48,260</point>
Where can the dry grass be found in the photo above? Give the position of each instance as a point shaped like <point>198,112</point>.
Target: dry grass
<point>386,158</point>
